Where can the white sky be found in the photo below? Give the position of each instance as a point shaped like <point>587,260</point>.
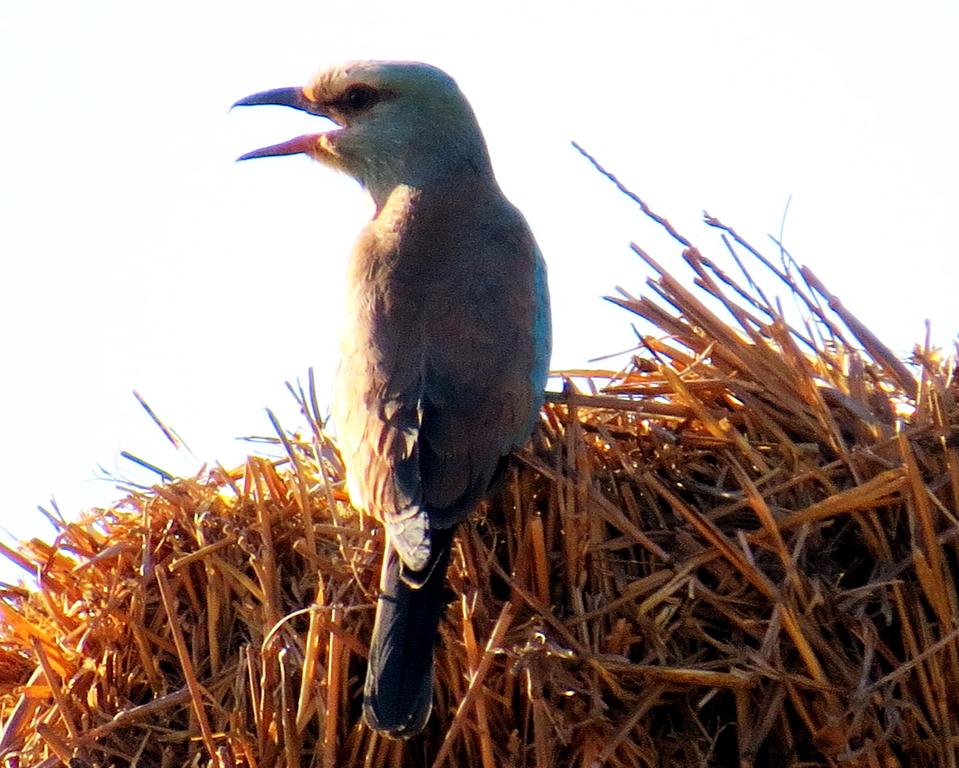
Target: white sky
<point>137,255</point>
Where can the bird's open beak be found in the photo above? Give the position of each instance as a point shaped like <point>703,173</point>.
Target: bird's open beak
<point>305,145</point>
<point>284,97</point>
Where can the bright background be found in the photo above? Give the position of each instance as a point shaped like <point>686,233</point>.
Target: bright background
<point>136,255</point>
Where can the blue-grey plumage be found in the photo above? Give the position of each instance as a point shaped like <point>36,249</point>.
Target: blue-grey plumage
<point>445,347</point>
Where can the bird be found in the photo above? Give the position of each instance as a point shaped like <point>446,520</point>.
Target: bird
<point>445,347</point>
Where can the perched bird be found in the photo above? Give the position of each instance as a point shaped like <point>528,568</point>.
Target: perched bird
<point>445,347</point>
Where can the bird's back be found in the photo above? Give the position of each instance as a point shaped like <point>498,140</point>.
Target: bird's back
<point>444,351</point>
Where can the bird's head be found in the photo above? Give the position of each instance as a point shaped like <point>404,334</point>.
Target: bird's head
<point>397,123</point>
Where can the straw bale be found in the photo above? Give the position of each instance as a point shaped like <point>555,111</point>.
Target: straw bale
<point>739,550</point>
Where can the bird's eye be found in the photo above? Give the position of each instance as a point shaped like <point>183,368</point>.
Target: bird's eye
<point>360,97</point>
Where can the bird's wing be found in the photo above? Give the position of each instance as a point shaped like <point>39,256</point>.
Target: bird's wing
<point>487,356</point>
<point>377,404</point>
<point>377,414</point>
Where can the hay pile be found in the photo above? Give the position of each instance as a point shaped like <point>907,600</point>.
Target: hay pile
<point>742,550</point>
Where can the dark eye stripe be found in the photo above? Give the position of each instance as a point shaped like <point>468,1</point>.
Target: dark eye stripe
<point>359,98</point>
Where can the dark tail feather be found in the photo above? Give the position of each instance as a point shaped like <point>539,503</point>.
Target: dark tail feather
<point>399,679</point>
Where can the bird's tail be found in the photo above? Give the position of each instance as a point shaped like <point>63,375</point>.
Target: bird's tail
<point>398,694</point>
